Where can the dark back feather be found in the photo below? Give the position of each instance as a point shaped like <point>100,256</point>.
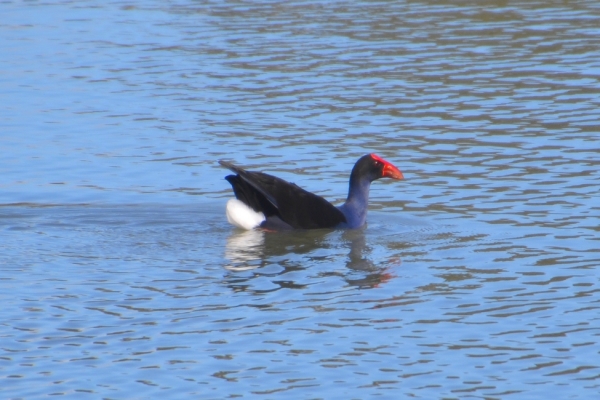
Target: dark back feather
<point>276,197</point>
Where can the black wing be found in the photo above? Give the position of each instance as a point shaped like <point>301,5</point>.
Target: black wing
<point>275,197</point>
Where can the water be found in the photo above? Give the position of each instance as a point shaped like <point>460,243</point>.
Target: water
<point>475,277</point>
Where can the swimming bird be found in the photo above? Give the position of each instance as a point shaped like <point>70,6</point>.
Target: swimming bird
<point>265,201</point>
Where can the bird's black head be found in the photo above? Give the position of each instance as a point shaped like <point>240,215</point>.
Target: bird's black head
<point>372,167</point>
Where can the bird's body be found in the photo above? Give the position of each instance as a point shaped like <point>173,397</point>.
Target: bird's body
<point>274,203</point>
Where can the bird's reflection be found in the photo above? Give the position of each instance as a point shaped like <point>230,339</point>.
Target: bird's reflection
<point>254,249</point>
<point>244,250</point>
<point>358,260</point>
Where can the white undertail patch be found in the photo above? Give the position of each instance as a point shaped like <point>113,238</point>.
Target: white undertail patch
<point>242,216</point>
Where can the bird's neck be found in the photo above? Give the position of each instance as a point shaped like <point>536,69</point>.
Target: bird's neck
<point>355,207</point>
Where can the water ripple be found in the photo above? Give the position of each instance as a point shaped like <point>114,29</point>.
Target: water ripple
<point>476,276</point>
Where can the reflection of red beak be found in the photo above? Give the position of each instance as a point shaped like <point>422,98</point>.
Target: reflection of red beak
<point>390,171</point>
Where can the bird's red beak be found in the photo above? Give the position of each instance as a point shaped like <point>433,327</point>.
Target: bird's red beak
<point>389,169</point>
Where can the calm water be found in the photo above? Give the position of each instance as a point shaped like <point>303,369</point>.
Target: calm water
<point>476,277</point>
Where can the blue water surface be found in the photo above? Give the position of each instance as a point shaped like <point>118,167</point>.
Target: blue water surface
<point>476,276</point>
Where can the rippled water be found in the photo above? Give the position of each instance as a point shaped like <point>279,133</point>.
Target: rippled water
<point>477,276</point>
